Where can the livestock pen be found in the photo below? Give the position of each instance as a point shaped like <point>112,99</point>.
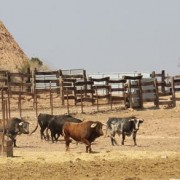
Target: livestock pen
<point>74,88</point>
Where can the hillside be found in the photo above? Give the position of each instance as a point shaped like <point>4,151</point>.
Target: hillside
<point>12,57</point>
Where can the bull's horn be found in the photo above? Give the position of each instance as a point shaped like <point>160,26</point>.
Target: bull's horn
<point>93,125</point>
<point>21,123</point>
<point>131,119</point>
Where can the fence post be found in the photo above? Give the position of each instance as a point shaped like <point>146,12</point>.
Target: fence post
<point>3,118</point>
<point>81,101</point>
<point>110,97</point>
<point>9,107</point>
<point>67,100</point>
<point>19,103</point>
<point>36,103</point>
<point>163,81</point>
<point>173,92</point>
<point>61,90</point>
<point>97,99</point>
<point>157,92</point>
<point>51,101</point>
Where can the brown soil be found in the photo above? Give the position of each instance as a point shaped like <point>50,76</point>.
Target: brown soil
<point>157,155</point>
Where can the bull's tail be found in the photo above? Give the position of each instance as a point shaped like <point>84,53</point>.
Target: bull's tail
<point>34,129</point>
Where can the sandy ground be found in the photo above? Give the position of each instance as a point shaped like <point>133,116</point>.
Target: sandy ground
<point>156,156</point>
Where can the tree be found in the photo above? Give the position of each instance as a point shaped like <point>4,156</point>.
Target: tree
<point>37,61</point>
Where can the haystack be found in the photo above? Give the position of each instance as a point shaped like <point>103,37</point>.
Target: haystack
<point>12,57</point>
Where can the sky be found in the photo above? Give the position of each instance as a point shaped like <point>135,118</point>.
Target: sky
<point>98,35</point>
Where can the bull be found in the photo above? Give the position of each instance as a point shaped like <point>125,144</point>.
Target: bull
<point>125,126</point>
<point>56,125</point>
<point>43,121</point>
<point>16,127</point>
<point>85,132</point>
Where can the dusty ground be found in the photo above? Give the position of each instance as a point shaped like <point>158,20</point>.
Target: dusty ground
<point>157,155</point>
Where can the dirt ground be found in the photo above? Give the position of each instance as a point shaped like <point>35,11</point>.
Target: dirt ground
<point>156,156</point>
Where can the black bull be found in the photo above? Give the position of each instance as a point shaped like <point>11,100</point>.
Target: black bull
<point>16,127</point>
<point>43,121</point>
<point>54,123</point>
<point>125,126</point>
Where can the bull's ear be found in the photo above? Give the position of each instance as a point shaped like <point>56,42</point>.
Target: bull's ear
<point>93,125</point>
<point>21,123</point>
<point>141,120</point>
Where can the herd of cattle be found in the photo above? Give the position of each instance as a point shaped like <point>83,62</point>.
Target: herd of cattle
<point>72,128</point>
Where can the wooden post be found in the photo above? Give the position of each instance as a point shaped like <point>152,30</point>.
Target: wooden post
<point>163,81</point>
<point>51,101</point>
<point>97,99</point>
<point>3,117</point>
<point>157,94</point>
<point>173,92</point>
<point>6,146</point>
<point>2,99</point>
<point>20,110</point>
<point>34,89</point>
<point>67,100</point>
<point>9,107</point>
<point>140,93</point>
<point>36,103</point>
<point>20,97</point>
<point>60,87</point>
<point>81,101</point>
<point>6,108</point>
<point>130,94</point>
<point>110,97</point>
<point>124,94</point>
<point>62,91</point>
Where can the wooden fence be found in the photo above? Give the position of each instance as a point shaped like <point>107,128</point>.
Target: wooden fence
<point>6,145</point>
<point>73,88</point>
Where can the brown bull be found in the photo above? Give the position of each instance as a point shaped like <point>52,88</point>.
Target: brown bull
<point>85,132</point>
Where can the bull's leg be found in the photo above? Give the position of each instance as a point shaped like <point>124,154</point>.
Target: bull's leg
<point>134,138</point>
<point>57,136</point>
<point>42,134</point>
<point>52,136</point>
<point>47,135</point>
<point>123,138</point>
<point>88,145</point>
<point>113,141</point>
<point>14,140</point>
<point>88,149</point>
<point>67,140</point>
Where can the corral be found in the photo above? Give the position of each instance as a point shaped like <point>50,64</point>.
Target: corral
<point>156,156</point>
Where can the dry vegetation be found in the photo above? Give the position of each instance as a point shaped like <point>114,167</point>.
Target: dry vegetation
<point>157,155</point>
<point>12,57</point>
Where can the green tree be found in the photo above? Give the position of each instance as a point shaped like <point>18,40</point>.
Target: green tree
<point>37,61</point>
